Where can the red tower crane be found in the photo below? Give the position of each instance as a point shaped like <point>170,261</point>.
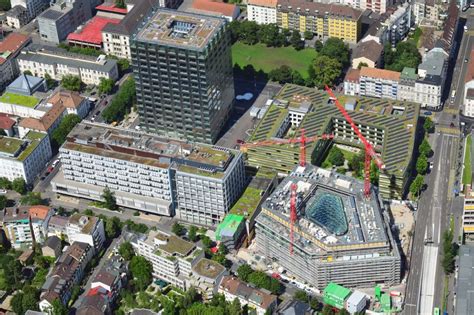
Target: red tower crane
<point>302,140</point>
<point>369,149</point>
<point>292,215</point>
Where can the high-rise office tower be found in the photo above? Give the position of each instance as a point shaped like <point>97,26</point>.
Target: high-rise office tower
<point>183,69</point>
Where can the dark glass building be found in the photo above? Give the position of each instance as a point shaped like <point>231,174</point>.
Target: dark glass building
<point>183,70</point>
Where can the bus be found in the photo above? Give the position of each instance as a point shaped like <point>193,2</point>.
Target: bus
<point>436,311</point>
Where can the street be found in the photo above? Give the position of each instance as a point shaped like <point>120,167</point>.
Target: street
<point>438,202</point>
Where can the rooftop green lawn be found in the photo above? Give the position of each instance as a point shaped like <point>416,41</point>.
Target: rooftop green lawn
<point>10,145</point>
<point>269,58</point>
<point>467,173</point>
<point>17,99</point>
<point>247,203</point>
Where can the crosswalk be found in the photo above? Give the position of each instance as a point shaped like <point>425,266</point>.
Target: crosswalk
<point>447,130</point>
<point>451,110</point>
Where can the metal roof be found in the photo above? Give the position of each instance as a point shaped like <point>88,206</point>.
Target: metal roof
<point>465,282</point>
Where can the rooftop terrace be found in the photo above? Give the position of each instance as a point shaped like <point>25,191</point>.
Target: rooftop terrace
<point>142,148</point>
<point>332,212</point>
<point>175,245</point>
<point>20,148</point>
<point>174,28</point>
<point>208,268</point>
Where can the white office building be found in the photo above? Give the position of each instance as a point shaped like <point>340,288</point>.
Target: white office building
<point>148,173</point>
<point>42,60</point>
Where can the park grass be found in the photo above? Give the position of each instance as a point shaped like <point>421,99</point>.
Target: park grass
<point>268,58</point>
<point>467,174</point>
<point>17,99</point>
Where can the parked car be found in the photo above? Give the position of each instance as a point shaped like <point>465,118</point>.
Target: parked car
<point>55,162</point>
<point>3,191</point>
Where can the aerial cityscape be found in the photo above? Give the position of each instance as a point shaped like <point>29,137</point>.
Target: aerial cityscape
<point>236,157</point>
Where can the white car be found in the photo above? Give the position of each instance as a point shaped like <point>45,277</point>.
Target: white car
<point>3,191</point>
<point>55,163</point>
<point>431,165</point>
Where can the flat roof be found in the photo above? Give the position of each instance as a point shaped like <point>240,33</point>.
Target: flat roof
<point>180,29</point>
<point>323,229</point>
<point>142,148</point>
<point>176,245</point>
<point>19,99</point>
<point>465,282</point>
<point>208,268</point>
<point>10,145</point>
<point>111,7</point>
<point>91,33</point>
<point>20,149</point>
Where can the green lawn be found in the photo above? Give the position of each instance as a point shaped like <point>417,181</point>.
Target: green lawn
<point>467,174</point>
<point>23,100</point>
<point>268,58</point>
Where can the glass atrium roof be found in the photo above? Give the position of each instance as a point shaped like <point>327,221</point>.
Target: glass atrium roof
<point>327,211</point>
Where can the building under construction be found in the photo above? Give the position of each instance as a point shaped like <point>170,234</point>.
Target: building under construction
<point>339,236</point>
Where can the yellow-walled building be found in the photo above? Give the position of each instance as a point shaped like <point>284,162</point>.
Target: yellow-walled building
<point>324,20</point>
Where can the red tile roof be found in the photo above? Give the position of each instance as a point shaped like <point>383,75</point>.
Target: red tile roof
<point>13,43</point>
<point>352,75</point>
<point>39,212</point>
<point>380,73</point>
<point>264,3</point>
<point>92,31</point>
<point>6,122</point>
<point>226,9</point>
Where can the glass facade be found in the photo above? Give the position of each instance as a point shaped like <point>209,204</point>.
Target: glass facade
<point>184,92</point>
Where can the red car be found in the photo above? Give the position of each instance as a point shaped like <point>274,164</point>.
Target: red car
<point>50,169</point>
<point>240,141</point>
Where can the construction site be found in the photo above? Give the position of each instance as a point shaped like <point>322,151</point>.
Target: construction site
<point>325,227</point>
<point>388,128</point>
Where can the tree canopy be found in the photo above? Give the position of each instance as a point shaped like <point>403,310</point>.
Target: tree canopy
<point>32,199</point>
<point>110,202</point>
<point>406,54</point>
<point>336,157</point>
<point>326,71</point>
<point>71,82</point>
<point>19,185</point>
<point>141,270</point>
<point>417,185</point>
<point>122,102</point>
<point>337,49</point>
<point>421,164</point>
<point>65,126</point>
<point>178,229</point>
<point>105,86</point>
<point>126,251</point>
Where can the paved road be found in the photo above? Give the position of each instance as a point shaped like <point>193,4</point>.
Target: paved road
<point>438,202</point>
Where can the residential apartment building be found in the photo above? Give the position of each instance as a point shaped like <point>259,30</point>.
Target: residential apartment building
<point>326,247</point>
<point>368,53</point>
<point>42,60</point>
<point>198,182</point>
<point>207,275</point>
<point>262,11</point>
<point>183,70</point>
<point>171,256</point>
<point>10,47</point>
<point>67,272</point>
<point>468,219</point>
<point>86,229</point>
<point>24,157</point>
<point>116,37</point>
<point>323,20</point>
<point>33,7</point>
<point>57,226</point>
<point>17,17</point>
<point>25,225</point>
<point>62,18</point>
<point>397,23</point>
<point>52,247</point>
<point>378,83</point>
<point>111,278</point>
<point>258,300</point>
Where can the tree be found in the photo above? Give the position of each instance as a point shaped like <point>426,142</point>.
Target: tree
<point>295,40</point>
<point>337,49</point>
<point>343,312</point>
<point>177,229</point>
<point>244,271</point>
<point>89,212</point>
<point>25,300</point>
<point>406,54</point>
<point>110,202</point>
<point>5,5</point>
<point>50,83</point>
<point>308,35</point>
<point>336,157</point>
<point>5,183</point>
<point>19,185</point>
<point>328,310</point>
<point>318,45</point>
<point>106,85</point>
<point>71,82</point>
<point>120,4</point>
<point>449,252</point>
<point>141,270</point>
<point>113,227</point>
<point>192,233</point>
<point>417,185</point>
<point>326,70</point>
<point>3,202</point>
<point>283,74</point>
<point>425,148</point>
<point>59,308</point>
<point>122,102</point>
<point>234,308</point>
<point>65,126</point>
<point>223,249</point>
<point>421,164</point>
<point>428,125</point>
<point>32,199</point>
<point>374,174</point>
<point>123,65</point>
<point>301,296</point>
<point>206,241</point>
<point>362,64</point>
<point>28,72</point>
<point>356,164</point>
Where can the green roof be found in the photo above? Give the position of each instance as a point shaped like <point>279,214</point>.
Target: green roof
<point>176,245</point>
<point>409,73</point>
<point>386,302</point>
<point>10,145</point>
<point>229,226</point>
<point>248,202</point>
<point>35,138</point>
<point>17,99</point>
